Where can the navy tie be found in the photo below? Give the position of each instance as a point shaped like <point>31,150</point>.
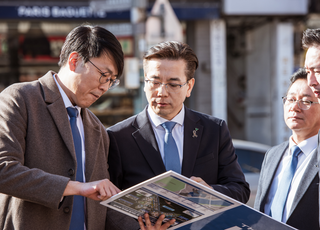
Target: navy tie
<point>171,154</point>
<point>281,195</point>
<point>77,218</point>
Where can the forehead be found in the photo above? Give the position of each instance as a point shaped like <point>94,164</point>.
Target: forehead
<point>313,57</point>
<point>300,88</point>
<point>165,68</point>
<point>106,63</point>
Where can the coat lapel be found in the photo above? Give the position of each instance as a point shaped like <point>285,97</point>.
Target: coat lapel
<point>307,178</point>
<point>92,141</point>
<point>274,158</point>
<point>57,109</point>
<point>147,142</point>
<point>192,137</point>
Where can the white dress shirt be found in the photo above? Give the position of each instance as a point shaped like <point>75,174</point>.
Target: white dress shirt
<point>308,148</point>
<point>177,132</point>
<point>67,104</point>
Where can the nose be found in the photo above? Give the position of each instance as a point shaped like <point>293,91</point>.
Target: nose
<point>294,106</point>
<point>312,80</point>
<point>104,87</point>
<point>162,90</point>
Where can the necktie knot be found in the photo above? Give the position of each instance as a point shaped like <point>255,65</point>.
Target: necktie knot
<point>73,112</point>
<point>168,126</point>
<point>295,151</point>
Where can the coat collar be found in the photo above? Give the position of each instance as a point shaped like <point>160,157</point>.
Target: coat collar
<point>56,107</point>
<point>193,131</point>
<point>147,142</point>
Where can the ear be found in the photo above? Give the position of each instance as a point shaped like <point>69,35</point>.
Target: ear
<point>190,86</point>
<point>73,60</point>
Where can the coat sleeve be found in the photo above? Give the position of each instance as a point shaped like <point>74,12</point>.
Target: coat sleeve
<point>231,180</point>
<point>258,204</point>
<point>16,178</point>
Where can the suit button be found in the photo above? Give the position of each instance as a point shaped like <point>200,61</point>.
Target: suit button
<point>71,172</point>
<point>66,210</point>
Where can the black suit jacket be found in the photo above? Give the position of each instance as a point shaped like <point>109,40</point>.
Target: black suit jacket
<point>134,154</point>
<point>304,213</point>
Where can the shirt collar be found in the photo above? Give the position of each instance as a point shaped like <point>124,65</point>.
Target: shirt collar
<point>66,100</point>
<point>307,146</point>
<point>156,120</point>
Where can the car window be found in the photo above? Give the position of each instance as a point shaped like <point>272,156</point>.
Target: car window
<point>250,161</point>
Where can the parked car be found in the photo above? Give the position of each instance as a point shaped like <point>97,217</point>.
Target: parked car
<point>250,157</point>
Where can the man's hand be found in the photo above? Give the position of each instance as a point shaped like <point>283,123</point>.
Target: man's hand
<point>199,180</point>
<point>96,190</point>
<point>157,225</point>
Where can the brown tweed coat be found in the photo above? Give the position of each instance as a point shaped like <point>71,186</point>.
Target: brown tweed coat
<point>37,158</point>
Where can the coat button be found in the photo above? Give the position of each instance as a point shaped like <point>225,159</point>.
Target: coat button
<point>71,172</point>
<point>66,210</point>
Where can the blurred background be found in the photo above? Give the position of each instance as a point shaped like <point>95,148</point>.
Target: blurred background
<point>247,50</point>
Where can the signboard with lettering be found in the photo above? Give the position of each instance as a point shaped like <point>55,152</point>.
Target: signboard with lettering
<point>60,12</point>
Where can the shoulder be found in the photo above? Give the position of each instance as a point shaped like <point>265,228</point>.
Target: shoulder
<point>20,93</point>
<point>21,88</point>
<point>204,118</point>
<point>127,123</point>
<point>275,151</point>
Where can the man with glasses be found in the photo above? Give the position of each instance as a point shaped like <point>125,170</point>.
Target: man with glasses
<point>288,185</point>
<point>167,135</point>
<point>311,42</point>
<point>50,166</point>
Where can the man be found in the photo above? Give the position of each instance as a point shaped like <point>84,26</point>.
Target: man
<point>288,185</point>
<point>44,159</point>
<point>202,143</point>
<point>311,41</point>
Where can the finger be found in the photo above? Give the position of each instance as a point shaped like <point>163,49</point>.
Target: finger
<point>197,179</point>
<point>159,221</point>
<point>141,223</point>
<point>147,221</point>
<point>114,190</point>
<point>167,224</point>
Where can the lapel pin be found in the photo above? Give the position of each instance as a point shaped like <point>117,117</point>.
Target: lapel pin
<point>195,132</point>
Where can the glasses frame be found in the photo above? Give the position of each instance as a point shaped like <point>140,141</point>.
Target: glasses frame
<point>112,83</point>
<point>165,84</point>
<point>284,100</point>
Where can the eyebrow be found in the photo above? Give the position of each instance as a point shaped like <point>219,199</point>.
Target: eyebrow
<point>316,67</point>
<point>170,79</point>
<point>304,95</point>
<point>109,71</point>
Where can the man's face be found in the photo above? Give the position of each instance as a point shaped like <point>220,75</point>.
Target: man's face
<point>84,87</point>
<point>305,123</point>
<point>165,102</point>
<point>312,65</point>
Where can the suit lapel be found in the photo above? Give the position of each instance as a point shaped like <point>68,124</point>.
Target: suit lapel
<point>57,109</point>
<point>192,138</point>
<point>307,178</point>
<point>274,158</point>
<point>147,142</point>
<point>92,140</point>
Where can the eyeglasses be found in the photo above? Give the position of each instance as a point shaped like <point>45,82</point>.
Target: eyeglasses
<point>107,77</point>
<point>302,104</point>
<point>170,87</point>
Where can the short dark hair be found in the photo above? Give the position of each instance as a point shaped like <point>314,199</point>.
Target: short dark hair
<point>173,50</point>
<point>301,73</point>
<point>311,37</point>
<point>90,42</point>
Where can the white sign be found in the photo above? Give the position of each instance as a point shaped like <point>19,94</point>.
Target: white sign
<point>265,7</point>
<point>218,67</point>
<point>132,77</point>
<point>284,68</point>
<point>111,5</point>
<point>172,27</point>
